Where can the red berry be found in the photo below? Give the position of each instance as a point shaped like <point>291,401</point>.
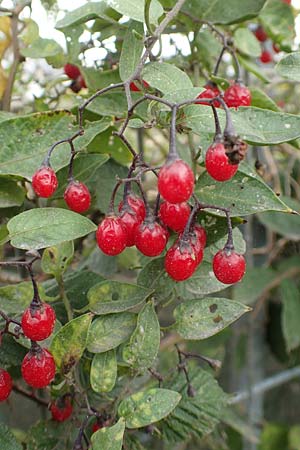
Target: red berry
<point>260,34</point>
<point>211,91</point>
<point>111,236</point>
<point>276,47</point>
<point>228,266</point>
<point>44,182</point>
<point>200,234</point>
<point>71,71</point>
<point>217,163</point>
<point>96,427</point>
<point>38,368</point>
<point>137,204</point>
<point>77,196</point>
<point>61,409</point>
<point>38,322</point>
<point>237,95</point>
<point>81,81</point>
<point>150,238</point>
<point>174,215</point>
<point>176,181</point>
<point>130,221</point>
<point>197,239</point>
<point>5,385</point>
<point>135,88</point>
<point>180,261</point>
<point>266,57</point>
<point>288,2</point>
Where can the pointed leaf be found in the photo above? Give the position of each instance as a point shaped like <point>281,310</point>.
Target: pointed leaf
<point>104,371</point>
<point>253,284</point>
<point>83,14</point>
<point>109,438</point>
<point>288,226</point>
<point>246,42</point>
<point>131,50</point>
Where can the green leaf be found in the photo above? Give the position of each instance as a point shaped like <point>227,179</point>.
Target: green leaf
<point>69,343</point>
<point>49,435</point>
<point>141,351</point>
<point>16,297</point>
<point>166,77</point>
<point>246,42</point>
<point>153,276</point>
<point>11,353</point>
<point>261,100</point>
<point>45,227</point>
<point>103,373</point>
<point>42,48</point>
<point>83,14</point>
<point>113,297</point>
<point>131,50</point>
<point>285,225</point>
<point>109,438</point>
<point>253,68</point>
<point>55,260</point>
<point>290,296</point>
<point>106,181</point>
<point>146,407</point>
<point>7,439</point>
<point>11,194</point>
<point>202,318</point>
<point>277,19</point>
<point>289,66</point>
<point>294,437</point>
<point>253,284</point>
<point>108,332</point>
<point>135,9</point>
<point>97,79</point>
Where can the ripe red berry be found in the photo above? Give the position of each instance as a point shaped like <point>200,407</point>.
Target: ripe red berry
<point>174,215</point>
<point>200,234</point>
<point>211,91</point>
<point>61,409</point>
<point>180,261</point>
<point>276,47</point>
<point>266,57</point>
<point>135,203</point>
<point>96,427</point>
<point>130,220</point>
<point>71,71</point>
<point>135,88</point>
<point>150,238</point>
<point>44,182</point>
<point>5,385</point>
<point>228,266</point>
<point>260,34</point>
<point>38,322</point>
<point>237,95</point>
<point>111,236</point>
<point>38,368</point>
<point>176,181</point>
<point>77,196</point>
<point>217,163</point>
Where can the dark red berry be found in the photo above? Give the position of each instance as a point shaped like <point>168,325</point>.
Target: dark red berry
<point>217,163</point>
<point>44,182</point>
<point>96,427</point>
<point>237,95</point>
<point>61,409</point>
<point>180,261</point>
<point>176,181</point>
<point>38,322</point>
<point>135,88</point>
<point>266,57</point>
<point>228,266</point>
<point>211,91</point>
<point>81,81</point>
<point>150,238</point>
<point>135,203</point>
<point>130,220</point>
<point>276,47</point>
<point>260,34</point>
<point>71,71</point>
<point>111,236</point>
<point>77,196</point>
<point>197,238</point>
<point>38,368</point>
<point>174,215</point>
<point>5,385</point>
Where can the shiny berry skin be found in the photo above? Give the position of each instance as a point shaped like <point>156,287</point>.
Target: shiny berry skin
<point>71,71</point>
<point>266,57</point>
<point>180,261</point>
<point>136,204</point>
<point>201,234</point>
<point>174,215</point>
<point>150,238</point>
<point>135,88</point>
<point>38,368</point>
<point>44,182</point>
<point>77,196</point>
<point>260,34</point>
<point>130,221</point>
<point>228,266</point>
<point>5,385</point>
<point>217,163</point>
<point>237,95</point>
<point>61,409</point>
<point>111,236</point>
<point>211,91</point>
<point>38,322</point>
<point>176,181</point>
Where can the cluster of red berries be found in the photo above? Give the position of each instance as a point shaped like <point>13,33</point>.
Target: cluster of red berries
<point>74,74</point>
<point>77,195</point>
<point>235,95</point>
<point>266,56</point>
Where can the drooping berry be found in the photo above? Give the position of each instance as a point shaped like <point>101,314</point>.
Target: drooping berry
<point>150,238</point>
<point>77,196</point>
<point>130,220</point>
<point>44,182</point>
<point>217,163</point>
<point>38,368</point>
<point>228,266</point>
<point>266,57</point>
<point>180,261</point>
<point>61,409</point>
<point>136,204</point>
<point>174,215</point>
<point>211,91</point>
<point>111,236</point>
<point>176,181</point>
<point>71,71</point>
<point>5,385</point>
<point>38,321</point>
<point>237,95</point>
<point>260,34</point>
<point>135,88</point>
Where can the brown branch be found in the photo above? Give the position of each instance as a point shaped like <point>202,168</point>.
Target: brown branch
<point>30,395</point>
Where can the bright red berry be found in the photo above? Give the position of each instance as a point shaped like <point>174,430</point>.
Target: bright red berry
<point>38,368</point>
<point>111,236</point>
<point>135,203</point>
<point>174,215</point>
<point>71,71</point>
<point>228,266</point>
<point>217,163</point>
<point>77,196</point>
<point>61,409</point>
<point>211,91</point>
<point>44,182</point>
<point>201,234</point>
<point>135,88</point>
<point>237,95</point>
<point>180,261</point>
<point>130,220</point>
<point>266,57</point>
<point>260,34</point>
<point>197,237</point>
<point>150,238</point>
<point>5,385</point>
<point>38,321</point>
<point>176,181</point>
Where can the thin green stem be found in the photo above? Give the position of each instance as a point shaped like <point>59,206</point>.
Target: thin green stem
<point>64,297</point>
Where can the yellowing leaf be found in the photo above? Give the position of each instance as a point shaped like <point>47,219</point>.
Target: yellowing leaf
<point>5,28</point>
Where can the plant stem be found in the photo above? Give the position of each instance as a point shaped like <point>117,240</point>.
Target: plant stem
<point>64,297</point>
